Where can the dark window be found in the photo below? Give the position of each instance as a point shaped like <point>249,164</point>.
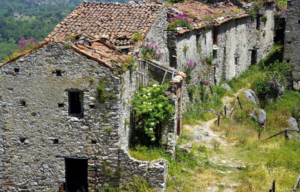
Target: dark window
<point>197,42</point>
<point>224,60</point>
<point>253,57</point>
<point>55,141</point>
<point>75,103</point>
<point>215,36</point>
<point>289,42</point>
<point>16,70</point>
<point>288,61</point>
<point>22,140</point>
<point>23,103</point>
<point>235,60</point>
<point>92,106</point>
<point>94,142</point>
<point>298,21</point>
<point>215,54</point>
<point>58,73</point>
<point>125,51</point>
<point>61,105</point>
<point>258,22</point>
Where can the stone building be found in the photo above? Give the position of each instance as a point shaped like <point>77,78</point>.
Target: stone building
<point>55,131</point>
<point>54,126</point>
<point>291,41</point>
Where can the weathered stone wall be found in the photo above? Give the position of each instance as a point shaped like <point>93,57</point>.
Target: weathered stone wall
<point>38,163</point>
<point>292,40</point>
<point>235,41</point>
<point>158,33</point>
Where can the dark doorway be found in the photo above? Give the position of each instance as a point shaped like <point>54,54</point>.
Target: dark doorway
<point>253,57</point>
<point>76,175</point>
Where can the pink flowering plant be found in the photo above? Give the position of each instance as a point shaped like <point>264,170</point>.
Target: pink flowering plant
<point>24,45</point>
<point>188,68</point>
<point>150,50</point>
<point>203,82</point>
<point>180,20</point>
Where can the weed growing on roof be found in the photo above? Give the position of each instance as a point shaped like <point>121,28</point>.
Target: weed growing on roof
<point>150,51</point>
<point>180,20</point>
<point>208,17</point>
<point>188,68</point>
<point>137,36</point>
<point>151,108</point>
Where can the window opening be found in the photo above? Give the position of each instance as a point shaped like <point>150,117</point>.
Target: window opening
<point>55,141</point>
<point>92,106</point>
<point>214,54</point>
<point>258,22</point>
<point>23,103</point>
<point>17,70</point>
<point>94,141</point>
<point>125,51</point>
<point>215,36</point>
<point>235,60</point>
<point>197,42</point>
<point>253,57</point>
<point>58,73</point>
<point>61,105</point>
<point>288,61</point>
<point>76,103</point>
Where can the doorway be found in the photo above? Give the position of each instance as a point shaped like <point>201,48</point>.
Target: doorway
<point>254,57</point>
<point>76,175</point>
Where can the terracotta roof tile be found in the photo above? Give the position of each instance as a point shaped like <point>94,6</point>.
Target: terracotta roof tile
<point>118,21</point>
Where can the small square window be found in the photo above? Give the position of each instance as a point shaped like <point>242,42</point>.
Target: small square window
<point>288,61</point>
<point>17,70</point>
<point>94,141</point>
<point>61,105</point>
<point>55,141</point>
<point>92,106</point>
<point>58,73</point>
<point>23,103</point>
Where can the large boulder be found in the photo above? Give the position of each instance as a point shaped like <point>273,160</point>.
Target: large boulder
<point>251,96</point>
<point>260,116</point>
<point>226,86</point>
<point>293,123</point>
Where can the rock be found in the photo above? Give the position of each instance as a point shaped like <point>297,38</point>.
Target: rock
<point>226,86</point>
<point>277,89</point>
<point>223,184</point>
<point>260,116</point>
<point>251,96</point>
<point>293,123</point>
<point>212,111</point>
<point>185,147</point>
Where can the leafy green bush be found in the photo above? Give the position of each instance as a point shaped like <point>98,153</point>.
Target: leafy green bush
<point>261,88</point>
<point>209,59</point>
<point>151,108</point>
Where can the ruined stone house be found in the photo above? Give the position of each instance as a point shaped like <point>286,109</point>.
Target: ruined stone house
<point>291,41</point>
<point>55,133</point>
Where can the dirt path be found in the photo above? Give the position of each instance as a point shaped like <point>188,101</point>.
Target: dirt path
<point>204,134</point>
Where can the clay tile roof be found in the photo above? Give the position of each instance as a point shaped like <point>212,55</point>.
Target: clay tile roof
<point>199,10</point>
<point>116,22</point>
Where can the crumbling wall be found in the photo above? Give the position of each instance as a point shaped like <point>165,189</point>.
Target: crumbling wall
<point>233,48</point>
<point>292,41</point>
<point>38,133</point>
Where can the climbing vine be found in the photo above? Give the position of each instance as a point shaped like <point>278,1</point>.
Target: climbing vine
<point>151,107</point>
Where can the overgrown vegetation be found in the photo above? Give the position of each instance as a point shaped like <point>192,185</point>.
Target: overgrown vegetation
<point>180,20</point>
<point>150,51</point>
<point>188,68</point>
<point>209,59</point>
<point>137,36</point>
<point>151,108</point>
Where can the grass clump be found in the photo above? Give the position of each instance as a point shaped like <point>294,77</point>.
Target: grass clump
<point>180,20</point>
<point>137,36</point>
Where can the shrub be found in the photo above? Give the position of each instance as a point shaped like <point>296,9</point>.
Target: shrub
<point>101,92</point>
<point>264,18</point>
<point>209,59</point>
<point>192,91</point>
<point>261,88</point>
<point>151,108</point>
